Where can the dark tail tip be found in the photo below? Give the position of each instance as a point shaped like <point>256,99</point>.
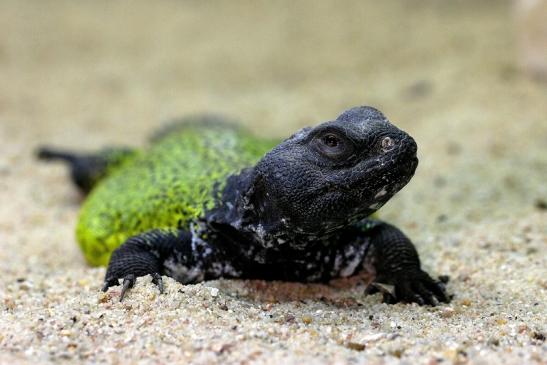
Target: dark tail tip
<point>47,154</point>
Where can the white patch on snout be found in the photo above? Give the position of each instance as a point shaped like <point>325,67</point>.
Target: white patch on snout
<point>376,206</point>
<point>381,193</point>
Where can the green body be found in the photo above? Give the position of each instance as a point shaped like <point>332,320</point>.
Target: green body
<point>166,186</point>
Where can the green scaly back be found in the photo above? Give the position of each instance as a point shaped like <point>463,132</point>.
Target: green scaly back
<point>165,186</point>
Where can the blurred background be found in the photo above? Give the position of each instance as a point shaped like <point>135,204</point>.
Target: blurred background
<point>463,77</point>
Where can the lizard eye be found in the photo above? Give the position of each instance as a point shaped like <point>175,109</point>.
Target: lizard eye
<point>333,146</point>
<point>331,141</point>
<point>387,144</point>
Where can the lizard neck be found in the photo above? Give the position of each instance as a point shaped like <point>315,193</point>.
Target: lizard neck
<point>246,209</point>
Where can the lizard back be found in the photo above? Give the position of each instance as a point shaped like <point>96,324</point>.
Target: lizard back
<point>169,184</point>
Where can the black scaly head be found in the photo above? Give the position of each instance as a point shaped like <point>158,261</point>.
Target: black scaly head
<point>325,178</point>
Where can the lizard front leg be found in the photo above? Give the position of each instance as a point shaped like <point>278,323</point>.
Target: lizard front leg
<point>396,262</point>
<point>165,252</point>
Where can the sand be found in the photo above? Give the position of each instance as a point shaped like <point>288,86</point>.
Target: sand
<point>89,74</point>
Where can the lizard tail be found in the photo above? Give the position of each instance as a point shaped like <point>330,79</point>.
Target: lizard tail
<point>48,154</point>
<point>85,170</point>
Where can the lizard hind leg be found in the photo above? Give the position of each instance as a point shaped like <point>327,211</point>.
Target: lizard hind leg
<point>86,169</point>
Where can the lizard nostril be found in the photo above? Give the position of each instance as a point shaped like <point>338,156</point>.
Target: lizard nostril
<point>387,144</point>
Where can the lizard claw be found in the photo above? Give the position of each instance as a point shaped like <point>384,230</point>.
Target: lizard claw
<point>108,283</point>
<point>156,279</point>
<point>128,282</point>
<point>387,291</point>
<point>420,288</point>
<point>130,261</point>
<point>413,287</point>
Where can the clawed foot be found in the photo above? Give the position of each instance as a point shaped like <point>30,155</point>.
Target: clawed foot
<point>129,281</point>
<point>414,287</point>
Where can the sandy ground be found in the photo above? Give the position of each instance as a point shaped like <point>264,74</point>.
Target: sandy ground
<point>86,74</point>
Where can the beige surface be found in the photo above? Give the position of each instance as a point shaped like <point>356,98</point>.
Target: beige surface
<point>85,74</point>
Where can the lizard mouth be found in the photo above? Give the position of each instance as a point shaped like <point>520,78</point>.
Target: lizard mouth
<point>410,167</point>
<point>386,173</point>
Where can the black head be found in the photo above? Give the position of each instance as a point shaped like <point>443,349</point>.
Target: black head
<point>324,178</point>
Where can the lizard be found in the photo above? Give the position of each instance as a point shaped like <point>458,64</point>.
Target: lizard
<point>208,199</point>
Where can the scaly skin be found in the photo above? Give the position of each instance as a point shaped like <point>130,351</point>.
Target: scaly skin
<point>174,182</point>
<point>208,200</point>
